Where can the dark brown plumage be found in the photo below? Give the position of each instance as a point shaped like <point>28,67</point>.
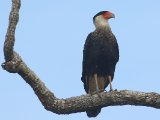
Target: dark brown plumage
<point>100,55</point>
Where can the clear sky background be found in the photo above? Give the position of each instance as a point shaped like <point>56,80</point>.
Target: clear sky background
<point>50,36</point>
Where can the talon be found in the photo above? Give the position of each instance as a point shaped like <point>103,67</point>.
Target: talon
<point>102,90</point>
<point>105,91</point>
<point>111,90</point>
<point>99,93</point>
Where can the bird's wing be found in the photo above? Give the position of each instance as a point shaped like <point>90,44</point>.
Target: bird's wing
<point>85,54</point>
<point>116,48</point>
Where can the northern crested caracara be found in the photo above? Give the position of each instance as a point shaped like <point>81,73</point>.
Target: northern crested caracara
<point>100,55</point>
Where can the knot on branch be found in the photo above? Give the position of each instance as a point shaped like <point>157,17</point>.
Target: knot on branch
<point>12,66</point>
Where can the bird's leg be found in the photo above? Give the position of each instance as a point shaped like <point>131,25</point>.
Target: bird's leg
<point>110,82</point>
<point>96,83</point>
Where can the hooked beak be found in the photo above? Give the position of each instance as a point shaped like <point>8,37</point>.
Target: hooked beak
<point>113,15</point>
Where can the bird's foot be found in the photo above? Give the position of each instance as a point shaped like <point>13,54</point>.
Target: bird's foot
<point>98,92</point>
<point>115,90</point>
<point>104,90</point>
<point>111,90</point>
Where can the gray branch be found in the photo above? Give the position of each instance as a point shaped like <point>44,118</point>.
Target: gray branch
<point>14,64</point>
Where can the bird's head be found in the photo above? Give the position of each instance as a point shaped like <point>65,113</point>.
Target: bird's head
<point>101,19</point>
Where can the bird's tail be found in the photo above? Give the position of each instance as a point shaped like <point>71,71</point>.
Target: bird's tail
<point>102,84</point>
<point>93,112</point>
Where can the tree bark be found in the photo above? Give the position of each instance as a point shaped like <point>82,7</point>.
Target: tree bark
<point>14,64</point>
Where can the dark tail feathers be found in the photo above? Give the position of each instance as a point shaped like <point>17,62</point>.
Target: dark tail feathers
<point>93,112</point>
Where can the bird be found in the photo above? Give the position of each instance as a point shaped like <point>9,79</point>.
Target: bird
<point>100,56</point>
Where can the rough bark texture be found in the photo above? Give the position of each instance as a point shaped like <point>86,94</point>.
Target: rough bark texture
<point>14,64</point>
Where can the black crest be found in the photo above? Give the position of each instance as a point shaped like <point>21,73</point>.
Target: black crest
<point>100,13</point>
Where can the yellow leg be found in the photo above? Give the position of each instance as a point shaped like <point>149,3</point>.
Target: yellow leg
<point>96,83</point>
<point>110,82</point>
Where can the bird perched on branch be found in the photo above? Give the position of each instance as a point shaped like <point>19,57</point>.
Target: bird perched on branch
<point>100,55</point>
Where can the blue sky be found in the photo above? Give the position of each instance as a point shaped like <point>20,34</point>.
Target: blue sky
<point>50,36</point>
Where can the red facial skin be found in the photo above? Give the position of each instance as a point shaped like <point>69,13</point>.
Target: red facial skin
<point>108,15</point>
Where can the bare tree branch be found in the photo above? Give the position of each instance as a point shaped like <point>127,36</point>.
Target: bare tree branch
<point>14,64</point>
<point>10,38</point>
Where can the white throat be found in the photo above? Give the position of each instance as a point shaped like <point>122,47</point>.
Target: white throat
<point>100,22</point>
